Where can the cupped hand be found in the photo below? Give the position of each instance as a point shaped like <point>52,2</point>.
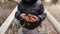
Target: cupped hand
<point>23,15</point>
<point>32,18</point>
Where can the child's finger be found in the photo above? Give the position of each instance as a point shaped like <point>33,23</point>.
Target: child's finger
<point>32,20</point>
<point>35,17</point>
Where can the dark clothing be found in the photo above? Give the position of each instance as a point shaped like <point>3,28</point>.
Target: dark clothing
<point>29,2</point>
<point>36,9</point>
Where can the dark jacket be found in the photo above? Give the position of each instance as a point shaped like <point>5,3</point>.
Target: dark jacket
<point>35,9</point>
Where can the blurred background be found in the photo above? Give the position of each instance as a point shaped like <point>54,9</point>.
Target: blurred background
<point>7,6</point>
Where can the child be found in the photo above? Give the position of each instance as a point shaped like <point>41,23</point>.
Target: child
<point>30,14</point>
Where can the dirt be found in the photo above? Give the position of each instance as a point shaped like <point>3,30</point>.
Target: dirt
<point>47,28</point>
<point>5,10</point>
<point>55,11</point>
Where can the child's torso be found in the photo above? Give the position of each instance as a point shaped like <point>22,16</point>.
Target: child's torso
<point>33,9</point>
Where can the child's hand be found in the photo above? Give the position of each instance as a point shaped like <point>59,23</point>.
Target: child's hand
<point>23,15</point>
<point>35,17</point>
<point>32,18</point>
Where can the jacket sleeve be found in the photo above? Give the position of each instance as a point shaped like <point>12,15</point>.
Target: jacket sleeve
<point>42,14</point>
<point>17,15</point>
<point>18,12</point>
